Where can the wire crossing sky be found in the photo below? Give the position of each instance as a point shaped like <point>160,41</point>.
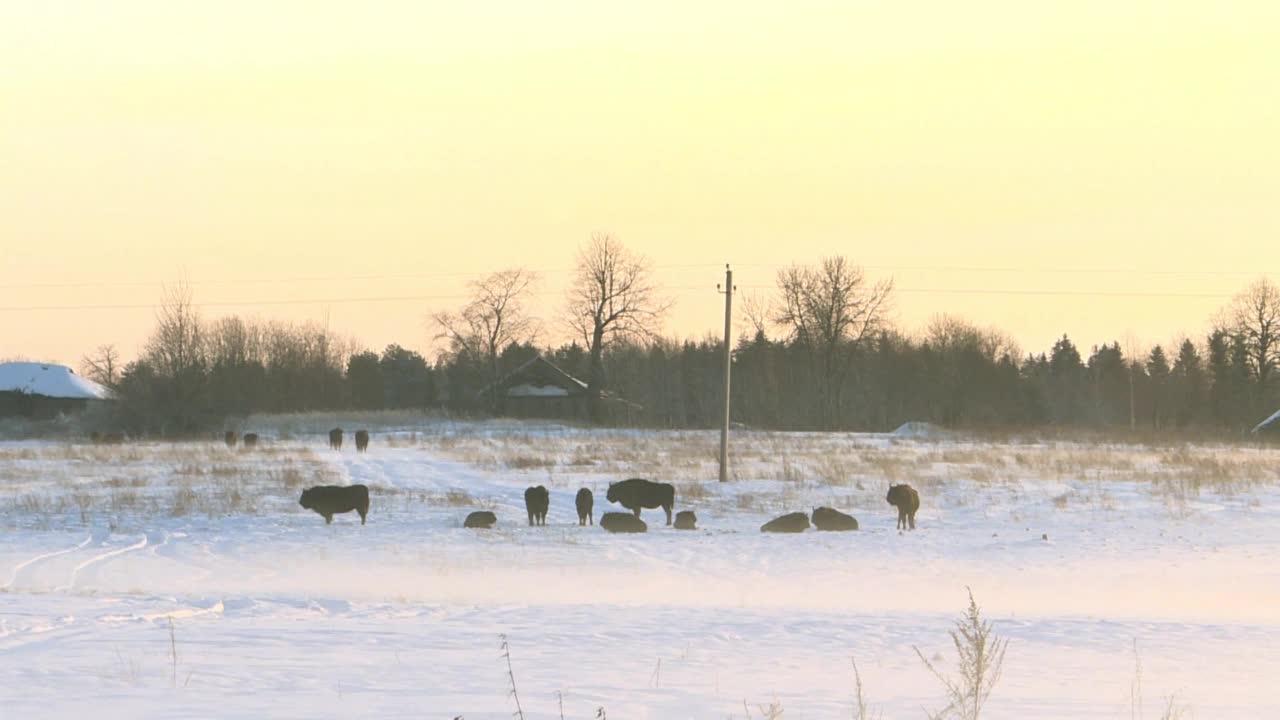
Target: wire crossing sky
<point>1109,171</point>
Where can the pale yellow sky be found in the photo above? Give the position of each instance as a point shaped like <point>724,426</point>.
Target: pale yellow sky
<point>300,151</point>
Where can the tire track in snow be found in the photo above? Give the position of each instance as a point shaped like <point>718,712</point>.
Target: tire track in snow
<point>99,558</point>
<point>13,576</point>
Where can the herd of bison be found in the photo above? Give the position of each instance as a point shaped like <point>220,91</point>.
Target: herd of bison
<point>634,495</point>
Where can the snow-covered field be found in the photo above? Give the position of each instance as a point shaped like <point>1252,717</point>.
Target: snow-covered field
<point>112,559</point>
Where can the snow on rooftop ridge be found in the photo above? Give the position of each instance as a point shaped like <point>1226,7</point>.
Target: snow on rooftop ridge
<point>1266,422</point>
<point>50,380</point>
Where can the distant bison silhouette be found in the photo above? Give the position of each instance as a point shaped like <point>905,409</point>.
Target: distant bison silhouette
<point>907,500</point>
<point>536,502</point>
<point>335,438</point>
<point>482,519</point>
<point>791,523</point>
<point>686,520</point>
<point>638,493</point>
<point>362,440</point>
<point>584,501</point>
<point>616,522</point>
<point>825,518</point>
<point>230,438</point>
<point>328,500</point>
<point>250,441</point>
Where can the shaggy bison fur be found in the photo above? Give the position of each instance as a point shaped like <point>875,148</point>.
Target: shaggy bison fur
<point>907,500</point>
<point>250,441</point>
<point>616,522</point>
<point>686,520</point>
<point>482,519</point>
<point>335,438</point>
<point>536,501</point>
<point>790,523</point>
<point>328,500</point>
<point>638,493</point>
<point>362,440</point>
<point>230,438</point>
<point>584,501</point>
<point>825,518</point>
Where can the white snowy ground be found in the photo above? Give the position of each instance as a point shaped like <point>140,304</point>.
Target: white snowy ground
<point>275,614</point>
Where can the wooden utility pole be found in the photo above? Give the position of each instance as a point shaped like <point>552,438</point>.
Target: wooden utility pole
<point>728,363</point>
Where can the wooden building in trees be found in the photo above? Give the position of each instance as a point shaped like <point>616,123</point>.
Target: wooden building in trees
<point>42,391</point>
<point>540,389</point>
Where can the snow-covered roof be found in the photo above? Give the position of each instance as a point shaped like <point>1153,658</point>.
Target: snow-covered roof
<point>1274,416</point>
<point>57,381</point>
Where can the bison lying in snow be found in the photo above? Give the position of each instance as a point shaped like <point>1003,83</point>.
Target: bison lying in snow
<point>482,519</point>
<point>328,500</point>
<point>250,441</point>
<point>584,501</point>
<point>907,500</point>
<point>362,440</point>
<point>230,437</point>
<point>825,518</point>
<point>638,493</point>
<point>335,438</point>
<point>686,520</point>
<point>536,502</point>
<point>616,522</point>
<point>791,523</point>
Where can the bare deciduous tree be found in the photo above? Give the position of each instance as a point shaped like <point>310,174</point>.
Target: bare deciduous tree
<point>832,308</point>
<point>495,317</point>
<point>612,296</point>
<point>1253,318</point>
<point>177,345</point>
<point>102,365</point>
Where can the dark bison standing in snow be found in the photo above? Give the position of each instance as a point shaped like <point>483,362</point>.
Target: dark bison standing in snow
<point>907,500</point>
<point>616,522</point>
<point>362,440</point>
<point>825,518</point>
<point>250,441</point>
<point>536,501</point>
<point>790,523</point>
<point>230,438</point>
<point>686,520</point>
<point>328,500</point>
<point>482,519</point>
<point>585,501</point>
<point>335,438</point>
<point>638,493</point>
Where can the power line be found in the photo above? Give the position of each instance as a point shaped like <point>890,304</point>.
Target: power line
<point>311,278</point>
<point>290,301</point>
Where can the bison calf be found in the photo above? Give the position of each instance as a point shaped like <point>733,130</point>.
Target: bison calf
<point>362,440</point>
<point>825,518</point>
<point>584,501</point>
<point>335,438</point>
<point>536,502</point>
<point>686,520</point>
<point>328,500</point>
<point>790,523</point>
<point>907,500</point>
<point>638,493</point>
<point>616,522</point>
<point>482,519</point>
<point>250,441</point>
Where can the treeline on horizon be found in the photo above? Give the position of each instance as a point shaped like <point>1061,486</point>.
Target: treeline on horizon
<point>820,356</point>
